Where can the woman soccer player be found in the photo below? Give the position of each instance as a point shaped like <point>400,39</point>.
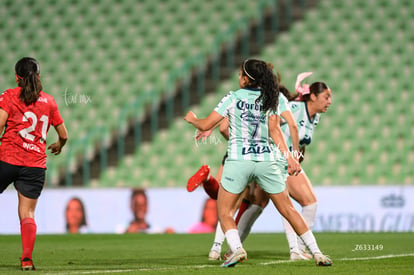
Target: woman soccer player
<point>252,114</point>
<point>313,100</point>
<point>26,113</point>
<point>211,185</point>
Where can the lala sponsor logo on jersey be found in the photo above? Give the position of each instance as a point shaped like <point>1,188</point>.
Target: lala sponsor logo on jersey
<point>255,149</point>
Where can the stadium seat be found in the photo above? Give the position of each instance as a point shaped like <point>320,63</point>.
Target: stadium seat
<point>112,50</point>
<point>119,51</point>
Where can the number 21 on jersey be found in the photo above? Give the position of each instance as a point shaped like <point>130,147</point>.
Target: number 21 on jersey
<point>26,132</point>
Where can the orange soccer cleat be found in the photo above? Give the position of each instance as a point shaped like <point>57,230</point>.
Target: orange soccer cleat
<point>198,178</point>
<point>27,264</point>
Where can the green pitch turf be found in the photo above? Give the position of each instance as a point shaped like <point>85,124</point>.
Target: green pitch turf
<point>358,253</point>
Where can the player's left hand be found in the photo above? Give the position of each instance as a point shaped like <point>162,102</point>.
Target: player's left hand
<point>55,148</point>
<point>203,135</point>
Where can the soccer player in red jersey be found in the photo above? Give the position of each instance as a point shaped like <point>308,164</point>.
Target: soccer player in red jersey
<point>26,113</point>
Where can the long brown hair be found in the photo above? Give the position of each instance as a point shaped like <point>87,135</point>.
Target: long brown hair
<point>260,75</point>
<point>83,220</point>
<point>282,88</point>
<point>28,74</point>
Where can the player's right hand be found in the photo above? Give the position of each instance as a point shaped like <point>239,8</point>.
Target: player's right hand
<point>293,166</point>
<point>190,117</point>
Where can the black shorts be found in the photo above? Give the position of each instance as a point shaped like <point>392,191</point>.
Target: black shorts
<point>28,181</point>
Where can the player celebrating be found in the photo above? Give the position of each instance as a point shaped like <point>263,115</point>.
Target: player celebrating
<point>252,114</point>
<point>26,113</point>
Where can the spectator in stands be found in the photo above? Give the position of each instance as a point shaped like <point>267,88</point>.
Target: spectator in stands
<point>209,218</point>
<point>75,215</point>
<point>139,208</point>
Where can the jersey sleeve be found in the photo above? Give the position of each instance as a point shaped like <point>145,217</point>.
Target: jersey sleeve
<point>275,112</point>
<point>55,117</point>
<point>283,104</point>
<point>223,107</point>
<point>4,102</point>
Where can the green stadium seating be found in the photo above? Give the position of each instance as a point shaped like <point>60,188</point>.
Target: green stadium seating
<point>110,51</point>
<point>114,52</point>
<point>366,136</point>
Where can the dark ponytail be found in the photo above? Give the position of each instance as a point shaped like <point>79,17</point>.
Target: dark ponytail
<point>28,73</point>
<point>282,88</point>
<point>262,76</point>
<point>315,88</point>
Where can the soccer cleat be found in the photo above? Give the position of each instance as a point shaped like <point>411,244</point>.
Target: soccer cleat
<point>27,264</point>
<point>322,260</point>
<point>297,256</point>
<point>214,255</point>
<point>227,254</point>
<point>198,178</point>
<point>238,256</point>
<point>307,255</point>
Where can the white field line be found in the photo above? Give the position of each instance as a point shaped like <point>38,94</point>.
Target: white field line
<point>210,266</point>
<point>351,259</point>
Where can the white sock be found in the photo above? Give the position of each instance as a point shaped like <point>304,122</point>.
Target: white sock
<point>218,238</point>
<point>309,214</point>
<point>310,241</point>
<point>233,239</point>
<point>291,236</point>
<point>247,220</point>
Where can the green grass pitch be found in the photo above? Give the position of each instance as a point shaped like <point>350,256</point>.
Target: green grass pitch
<point>352,253</point>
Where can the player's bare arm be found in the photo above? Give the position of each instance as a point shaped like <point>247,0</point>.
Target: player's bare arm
<point>293,129</point>
<point>203,124</point>
<point>277,136</point>
<point>56,147</point>
<point>3,118</point>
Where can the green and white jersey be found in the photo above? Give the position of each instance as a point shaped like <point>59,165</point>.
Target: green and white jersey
<point>305,124</point>
<point>283,103</point>
<point>248,126</point>
<point>283,107</point>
